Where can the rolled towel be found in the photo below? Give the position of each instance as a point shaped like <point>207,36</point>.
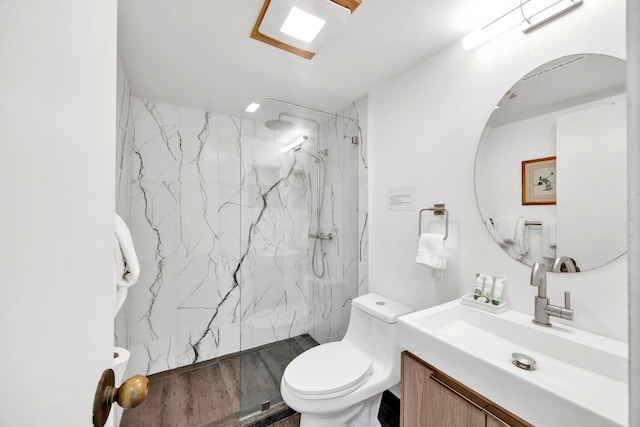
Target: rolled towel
<point>432,251</point>
<point>127,268</point>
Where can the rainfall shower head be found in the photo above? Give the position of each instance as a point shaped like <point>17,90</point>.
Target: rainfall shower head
<point>278,124</point>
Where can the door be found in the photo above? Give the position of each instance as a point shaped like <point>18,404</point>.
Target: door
<point>57,144</point>
<point>427,401</point>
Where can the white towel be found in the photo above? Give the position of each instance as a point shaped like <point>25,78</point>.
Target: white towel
<point>522,237</point>
<point>507,228</point>
<point>511,234</point>
<point>508,248</point>
<point>127,268</point>
<point>549,239</point>
<point>432,251</point>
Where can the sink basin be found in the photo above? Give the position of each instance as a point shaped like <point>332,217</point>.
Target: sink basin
<point>580,378</point>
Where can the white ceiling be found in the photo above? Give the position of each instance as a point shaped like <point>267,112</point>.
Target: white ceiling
<point>198,53</point>
<point>562,83</point>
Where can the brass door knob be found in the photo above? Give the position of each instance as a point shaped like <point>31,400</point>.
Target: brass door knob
<point>130,394</point>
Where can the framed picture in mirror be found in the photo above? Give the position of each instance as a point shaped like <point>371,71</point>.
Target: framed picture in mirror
<point>539,181</point>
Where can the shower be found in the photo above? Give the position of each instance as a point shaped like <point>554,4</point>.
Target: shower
<point>318,265</point>
<point>298,275</point>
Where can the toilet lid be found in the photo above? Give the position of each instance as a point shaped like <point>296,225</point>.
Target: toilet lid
<point>327,368</point>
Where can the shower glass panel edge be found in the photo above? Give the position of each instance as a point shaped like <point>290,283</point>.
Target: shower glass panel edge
<point>299,240</point>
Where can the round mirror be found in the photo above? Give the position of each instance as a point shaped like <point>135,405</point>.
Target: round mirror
<point>551,169</point>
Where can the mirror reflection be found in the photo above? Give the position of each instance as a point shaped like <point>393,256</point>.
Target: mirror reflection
<point>550,171</point>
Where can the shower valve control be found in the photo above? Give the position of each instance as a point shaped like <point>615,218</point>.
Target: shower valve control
<point>321,236</point>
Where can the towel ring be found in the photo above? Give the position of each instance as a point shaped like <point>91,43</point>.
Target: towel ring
<point>438,209</point>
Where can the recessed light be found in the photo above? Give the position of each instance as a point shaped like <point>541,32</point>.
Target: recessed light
<point>252,107</point>
<point>302,25</point>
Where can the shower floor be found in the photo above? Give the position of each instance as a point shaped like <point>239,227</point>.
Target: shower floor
<point>228,391</point>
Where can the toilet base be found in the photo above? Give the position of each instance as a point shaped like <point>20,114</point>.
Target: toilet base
<point>364,414</point>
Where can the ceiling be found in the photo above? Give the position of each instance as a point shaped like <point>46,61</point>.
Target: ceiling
<point>198,53</point>
<point>562,83</point>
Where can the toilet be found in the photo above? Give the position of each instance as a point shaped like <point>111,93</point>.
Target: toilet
<point>340,384</point>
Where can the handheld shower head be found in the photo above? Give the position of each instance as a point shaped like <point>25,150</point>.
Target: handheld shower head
<point>295,144</point>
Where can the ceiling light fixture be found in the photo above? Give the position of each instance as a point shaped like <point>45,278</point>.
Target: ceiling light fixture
<point>539,13</point>
<point>252,108</point>
<point>549,13</point>
<point>301,27</point>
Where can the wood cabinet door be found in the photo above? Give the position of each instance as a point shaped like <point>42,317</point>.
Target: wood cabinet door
<point>427,403</point>
<point>494,422</point>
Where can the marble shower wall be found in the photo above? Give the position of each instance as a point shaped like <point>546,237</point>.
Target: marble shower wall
<point>358,112</point>
<point>220,220</point>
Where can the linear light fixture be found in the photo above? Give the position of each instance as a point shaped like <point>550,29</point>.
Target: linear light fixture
<point>301,27</point>
<point>537,14</point>
<point>549,13</point>
<point>299,140</point>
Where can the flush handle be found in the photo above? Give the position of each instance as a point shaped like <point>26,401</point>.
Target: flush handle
<point>130,394</point>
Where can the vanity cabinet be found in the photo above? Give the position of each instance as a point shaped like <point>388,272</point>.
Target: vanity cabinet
<point>432,399</point>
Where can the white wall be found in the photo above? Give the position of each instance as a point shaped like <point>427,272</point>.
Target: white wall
<point>424,129</point>
<point>57,140</point>
<point>588,227</point>
<point>633,152</point>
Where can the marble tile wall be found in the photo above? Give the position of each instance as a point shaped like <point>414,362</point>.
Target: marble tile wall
<point>220,220</point>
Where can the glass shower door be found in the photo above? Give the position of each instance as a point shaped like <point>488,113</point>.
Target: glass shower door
<point>299,238</point>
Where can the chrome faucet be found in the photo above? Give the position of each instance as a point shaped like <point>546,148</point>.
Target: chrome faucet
<point>566,262</point>
<point>542,307</point>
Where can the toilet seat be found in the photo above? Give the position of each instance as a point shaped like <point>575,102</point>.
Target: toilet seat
<point>331,369</point>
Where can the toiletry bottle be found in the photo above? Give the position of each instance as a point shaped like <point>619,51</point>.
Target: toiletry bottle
<point>477,291</point>
<point>488,290</point>
<point>497,290</point>
<point>485,289</point>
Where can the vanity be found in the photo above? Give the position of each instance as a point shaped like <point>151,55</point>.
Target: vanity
<point>458,370</point>
<point>432,398</point>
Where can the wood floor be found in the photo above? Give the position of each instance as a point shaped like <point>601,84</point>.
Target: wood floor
<point>229,391</point>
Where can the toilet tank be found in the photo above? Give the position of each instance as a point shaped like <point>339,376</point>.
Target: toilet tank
<point>372,328</point>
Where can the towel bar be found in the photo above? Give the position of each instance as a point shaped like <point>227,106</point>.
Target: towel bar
<point>526,222</point>
<point>438,209</point>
